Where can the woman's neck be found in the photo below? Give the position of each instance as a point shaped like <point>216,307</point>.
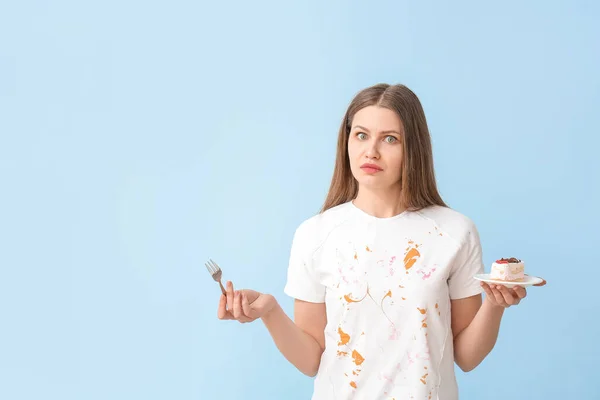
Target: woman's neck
<point>379,203</point>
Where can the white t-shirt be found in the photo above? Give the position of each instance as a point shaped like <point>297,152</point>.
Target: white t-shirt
<point>387,284</point>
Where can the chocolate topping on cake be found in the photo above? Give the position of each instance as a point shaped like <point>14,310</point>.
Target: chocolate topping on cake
<point>509,260</point>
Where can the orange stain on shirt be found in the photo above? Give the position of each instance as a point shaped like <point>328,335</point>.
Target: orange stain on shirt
<point>342,353</point>
<point>344,337</point>
<point>353,384</point>
<point>368,249</point>
<point>423,323</point>
<point>422,310</point>
<point>424,379</point>
<point>358,359</point>
<point>355,256</point>
<point>411,257</point>
<point>349,299</point>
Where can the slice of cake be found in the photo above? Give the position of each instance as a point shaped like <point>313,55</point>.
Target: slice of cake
<point>508,269</point>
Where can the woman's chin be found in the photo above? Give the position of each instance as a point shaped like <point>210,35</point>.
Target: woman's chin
<point>374,182</point>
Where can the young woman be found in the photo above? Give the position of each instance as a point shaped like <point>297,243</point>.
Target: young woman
<point>382,277</point>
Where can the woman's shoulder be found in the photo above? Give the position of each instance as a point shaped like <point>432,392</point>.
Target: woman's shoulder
<point>326,219</point>
<point>318,226</point>
<point>455,223</point>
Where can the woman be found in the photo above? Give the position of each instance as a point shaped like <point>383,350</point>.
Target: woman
<point>382,277</point>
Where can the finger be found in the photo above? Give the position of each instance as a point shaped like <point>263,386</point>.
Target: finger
<point>221,311</point>
<point>507,295</point>
<point>498,296</point>
<point>237,305</point>
<point>486,289</point>
<point>520,292</point>
<point>230,295</point>
<point>542,283</point>
<point>245,305</point>
<point>489,294</point>
<point>244,317</point>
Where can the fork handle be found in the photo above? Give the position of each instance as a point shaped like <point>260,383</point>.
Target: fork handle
<point>222,288</point>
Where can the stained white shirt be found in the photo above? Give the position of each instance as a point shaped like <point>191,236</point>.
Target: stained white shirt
<point>387,285</point>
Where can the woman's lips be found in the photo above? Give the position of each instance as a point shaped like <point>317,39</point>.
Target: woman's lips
<point>370,168</point>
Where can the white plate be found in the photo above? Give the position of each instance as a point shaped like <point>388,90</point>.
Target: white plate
<point>528,281</point>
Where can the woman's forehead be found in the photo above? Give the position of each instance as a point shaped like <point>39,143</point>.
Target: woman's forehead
<point>377,119</point>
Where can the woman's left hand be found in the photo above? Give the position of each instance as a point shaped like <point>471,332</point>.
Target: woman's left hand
<point>502,296</point>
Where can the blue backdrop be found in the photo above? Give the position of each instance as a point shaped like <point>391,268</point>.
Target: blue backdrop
<point>139,138</point>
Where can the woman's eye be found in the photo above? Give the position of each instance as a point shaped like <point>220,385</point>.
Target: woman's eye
<point>391,139</point>
<point>361,135</point>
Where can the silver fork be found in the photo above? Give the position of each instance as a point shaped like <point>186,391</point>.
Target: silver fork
<point>215,271</point>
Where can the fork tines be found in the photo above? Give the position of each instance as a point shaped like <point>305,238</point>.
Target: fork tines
<point>210,267</point>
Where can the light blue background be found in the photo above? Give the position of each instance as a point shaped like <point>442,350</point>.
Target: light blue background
<point>137,139</point>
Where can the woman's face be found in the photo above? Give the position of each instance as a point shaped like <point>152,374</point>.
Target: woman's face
<point>375,147</point>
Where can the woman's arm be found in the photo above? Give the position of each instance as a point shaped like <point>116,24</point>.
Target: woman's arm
<point>475,326</point>
<point>301,342</point>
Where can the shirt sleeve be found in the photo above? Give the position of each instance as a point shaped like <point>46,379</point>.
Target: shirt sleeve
<point>303,281</point>
<point>468,262</point>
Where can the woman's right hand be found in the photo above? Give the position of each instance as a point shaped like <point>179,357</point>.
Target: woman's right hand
<point>244,305</point>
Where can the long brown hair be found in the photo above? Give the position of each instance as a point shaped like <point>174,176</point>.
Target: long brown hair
<point>419,188</point>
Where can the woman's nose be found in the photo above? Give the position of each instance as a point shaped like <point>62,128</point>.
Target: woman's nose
<point>372,151</point>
